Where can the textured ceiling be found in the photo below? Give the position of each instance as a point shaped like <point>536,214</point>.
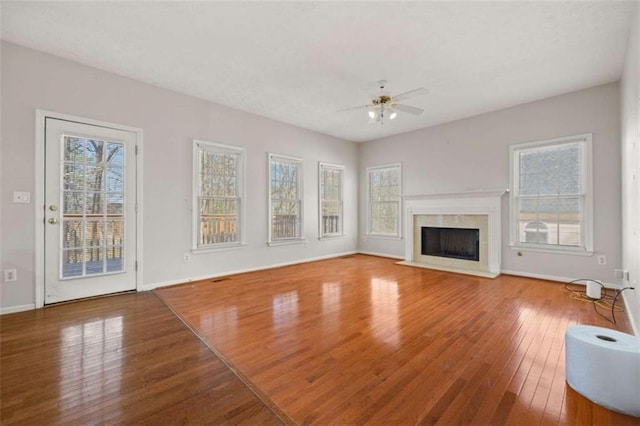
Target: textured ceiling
<point>302,62</point>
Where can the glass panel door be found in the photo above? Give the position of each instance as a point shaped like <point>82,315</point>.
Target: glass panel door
<point>90,196</point>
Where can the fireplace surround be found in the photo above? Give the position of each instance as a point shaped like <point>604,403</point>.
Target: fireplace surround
<point>479,210</point>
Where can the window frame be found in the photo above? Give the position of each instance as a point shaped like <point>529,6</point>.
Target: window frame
<point>586,170</point>
<point>333,167</point>
<point>202,145</point>
<point>300,189</point>
<point>369,232</point>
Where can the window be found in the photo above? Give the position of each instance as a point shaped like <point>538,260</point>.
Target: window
<point>285,199</point>
<point>384,188</point>
<point>551,207</point>
<point>218,195</point>
<point>330,190</point>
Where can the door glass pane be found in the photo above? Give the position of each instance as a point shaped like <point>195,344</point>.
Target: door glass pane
<point>93,184</point>
<point>94,236</point>
<point>73,233</point>
<point>73,203</point>
<point>94,178</point>
<point>74,177</point>
<point>115,203</point>
<point>93,203</point>
<point>115,258</point>
<point>115,232</point>
<point>94,151</point>
<point>115,179</point>
<point>94,261</point>
<point>72,263</point>
<point>74,150</point>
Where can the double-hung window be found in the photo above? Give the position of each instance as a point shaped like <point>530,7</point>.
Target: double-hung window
<point>285,199</point>
<point>218,195</point>
<point>384,190</point>
<point>330,190</point>
<point>551,199</point>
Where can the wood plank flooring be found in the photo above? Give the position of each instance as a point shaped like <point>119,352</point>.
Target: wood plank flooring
<point>361,340</point>
<point>124,359</point>
<point>353,340</point>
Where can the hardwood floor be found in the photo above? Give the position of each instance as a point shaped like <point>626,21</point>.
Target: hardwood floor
<point>362,340</point>
<point>356,340</point>
<point>124,359</point>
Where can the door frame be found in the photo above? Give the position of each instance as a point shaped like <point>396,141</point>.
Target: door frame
<point>39,204</point>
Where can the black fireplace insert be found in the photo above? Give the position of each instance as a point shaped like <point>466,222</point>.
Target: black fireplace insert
<point>456,243</point>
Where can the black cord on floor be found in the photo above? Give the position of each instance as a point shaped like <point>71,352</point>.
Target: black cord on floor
<point>605,301</point>
<point>613,315</point>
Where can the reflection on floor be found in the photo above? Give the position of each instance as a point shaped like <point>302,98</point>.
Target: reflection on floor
<point>356,340</point>
<point>119,359</point>
<point>362,340</point>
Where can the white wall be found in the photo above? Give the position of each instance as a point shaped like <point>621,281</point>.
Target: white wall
<point>468,154</point>
<point>33,80</point>
<point>473,154</point>
<point>630,96</point>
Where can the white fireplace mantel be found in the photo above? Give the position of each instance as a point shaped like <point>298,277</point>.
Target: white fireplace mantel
<point>463,203</point>
<point>494,193</point>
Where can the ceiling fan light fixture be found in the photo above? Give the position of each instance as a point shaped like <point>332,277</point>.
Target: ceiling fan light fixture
<point>384,106</point>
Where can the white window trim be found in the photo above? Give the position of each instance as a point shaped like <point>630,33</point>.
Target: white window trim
<point>197,143</point>
<point>285,241</point>
<point>587,231</point>
<point>341,168</point>
<point>368,233</point>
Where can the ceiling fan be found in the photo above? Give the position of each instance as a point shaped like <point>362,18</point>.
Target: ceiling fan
<point>385,106</point>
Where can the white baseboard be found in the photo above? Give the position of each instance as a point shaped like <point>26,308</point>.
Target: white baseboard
<point>630,313</point>
<point>242,271</point>
<point>390,256</point>
<point>18,308</point>
<point>554,278</point>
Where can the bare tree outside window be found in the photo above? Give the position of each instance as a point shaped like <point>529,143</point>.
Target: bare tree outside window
<point>285,191</point>
<point>92,207</point>
<point>330,199</point>
<point>384,190</point>
<point>219,194</point>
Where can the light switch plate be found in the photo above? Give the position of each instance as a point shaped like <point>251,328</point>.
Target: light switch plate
<point>21,197</point>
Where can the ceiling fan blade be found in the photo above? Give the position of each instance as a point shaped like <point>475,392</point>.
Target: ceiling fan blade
<point>409,109</point>
<point>355,107</point>
<point>410,94</point>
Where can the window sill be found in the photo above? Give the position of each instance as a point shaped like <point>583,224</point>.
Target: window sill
<point>286,242</point>
<point>332,237</point>
<point>383,236</point>
<point>222,247</point>
<point>558,250</point>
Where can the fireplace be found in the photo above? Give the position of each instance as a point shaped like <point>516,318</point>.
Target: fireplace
<point>478,211</point>
<point>454,243</point>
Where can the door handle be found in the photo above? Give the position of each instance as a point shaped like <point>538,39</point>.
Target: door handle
<point>52,220</point>
<point>53,207</point>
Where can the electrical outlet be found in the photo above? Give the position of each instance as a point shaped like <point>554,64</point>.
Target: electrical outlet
<point>187,257</point>
<point>602,259</point>
<point>620,273</point>
<point>10,275</point>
